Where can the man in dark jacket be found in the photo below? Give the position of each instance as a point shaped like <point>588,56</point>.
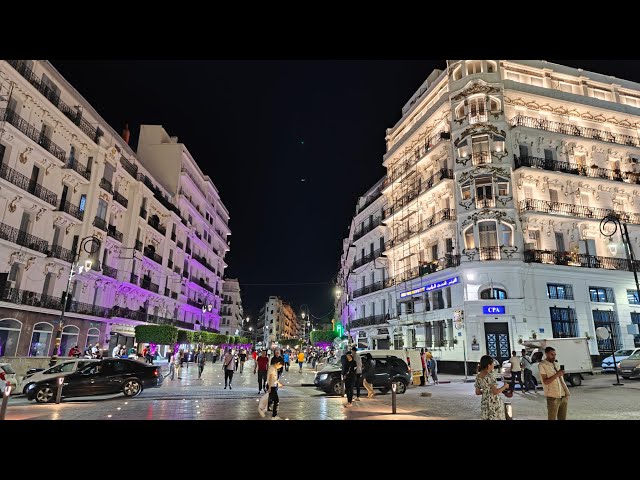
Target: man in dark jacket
<point>349,375</point>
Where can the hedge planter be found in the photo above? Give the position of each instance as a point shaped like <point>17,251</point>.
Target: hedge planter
<point>160,334</point>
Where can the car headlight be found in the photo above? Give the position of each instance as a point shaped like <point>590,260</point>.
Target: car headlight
<point>323,377</point>
<point>637,367</point>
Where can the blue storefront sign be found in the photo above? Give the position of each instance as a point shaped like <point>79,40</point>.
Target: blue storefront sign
<point>493,309</point>
<point>432,286</point>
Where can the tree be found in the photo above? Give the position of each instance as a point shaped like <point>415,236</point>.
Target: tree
<point>325,336</point>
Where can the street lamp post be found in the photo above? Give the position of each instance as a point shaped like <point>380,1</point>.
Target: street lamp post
<point>90,245</point>
<point>206,307</point>
<point>609,226</point>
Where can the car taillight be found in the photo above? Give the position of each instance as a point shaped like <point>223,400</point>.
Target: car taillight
<point>155,372</point>
<point>2,377</point>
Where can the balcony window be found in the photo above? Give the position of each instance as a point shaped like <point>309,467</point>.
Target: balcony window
<point>457,73</point>
<point>480,144</point>
<point>466,192</point>
<point>493,294</point>
<point>559,291</point>
<point>498,143</point>
<point>506,235</point>
<point>477,110</point>
<point>469,239</point>
<point>474,66</point>
<point>601,294</point>
<point>503,188</point>
<point>487,234</point>
<point>494,105</point>
<point>460,111</point>
<point>492,67</point>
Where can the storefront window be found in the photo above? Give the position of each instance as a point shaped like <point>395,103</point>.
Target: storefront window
<point>93,337</point>
<point>9,336</point>
<point>69,339</point>
<point>40,340</point>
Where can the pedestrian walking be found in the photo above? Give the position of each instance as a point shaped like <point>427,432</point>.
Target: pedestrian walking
<point>172,367</point>
<point>432,365</point>
<point>516,371</point>
<point>286,361</point>
<point>261,367</point>
<point>314,360</point>
<point>358,380</point>
<point>178,363</point>
<point>227,367</point>
<point>525,364</point>
<point>424,375</point>
<point>491,405</point>
<point>300,359</point>
<point>243,358</point>
<point>236,360</point>
<point>555,389</point>
<point>273,384</point>
<point>368,373</point>
<point>349,376</point>
<point>200,361</point>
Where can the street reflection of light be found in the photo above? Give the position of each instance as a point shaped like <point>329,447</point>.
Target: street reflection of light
<point>118,408</point>
<point>109,416</point>
<point>126,403</point>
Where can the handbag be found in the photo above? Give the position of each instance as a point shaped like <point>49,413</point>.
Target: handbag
<point>264,400</point>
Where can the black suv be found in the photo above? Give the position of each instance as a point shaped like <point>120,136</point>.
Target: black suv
<point>387,370</point>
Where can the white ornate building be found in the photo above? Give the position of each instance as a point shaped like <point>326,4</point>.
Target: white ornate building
<point>498,175</point>
<point>67,175</point>
<point>231,312</point>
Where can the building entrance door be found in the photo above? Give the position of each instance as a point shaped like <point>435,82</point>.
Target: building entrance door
<point>497,338</point>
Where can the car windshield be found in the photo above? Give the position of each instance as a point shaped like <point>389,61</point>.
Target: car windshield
<point>623,353</point>
<point>60,368</point>
<point>8,369</point>
<point>635,356</point>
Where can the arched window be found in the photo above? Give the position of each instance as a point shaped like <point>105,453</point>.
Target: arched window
<point>494,105</point>
<point>492,66</point>
<point>40,340</point>
<point>469,239</point>
<point>506,235</point>
<point>493,294</point>
<point>477,112</point>
<point>474,66</point>
<point>9,335</point>
<point>460,111</point>
<point>457,73</point>
<point>68,340</point>
<point>93,337</point>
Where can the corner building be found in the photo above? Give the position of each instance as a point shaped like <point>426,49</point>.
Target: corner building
<point>67,175</point>
<point>485,231</point>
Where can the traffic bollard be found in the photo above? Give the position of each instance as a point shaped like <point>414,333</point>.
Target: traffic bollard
<point>59,392</point>
<point>5,400</point>
<point>393,398</point>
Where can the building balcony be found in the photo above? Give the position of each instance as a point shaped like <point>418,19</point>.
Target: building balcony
<point>32,299</point>
<point>489,253</point>
<point>138,245</point>
<point>153,256</point>
<point>139,315</point>
<point>480,158</point>
<point>34,134</point>
<point>426,268</point>
<point>146,181</point>
<point>170,264</point>
<point>147,285</point>
<point>592,171</point>
<point>106,185</point>
<point>72,210</point>
<point>113,233</point>
<point>61,253</point>
<point>176,269</point>
<point>194,303</point>
<point>109,271</point>
<point>180,245</point>
<point>100,223</point>
<point>73,164</point>
<point>435,219</point>
<point>187,250</point>
<point>88,309</point>
<point>185,274</point>
<point>574,130</point>
<point>573,259</point>
<point>478,117</point>
<point>121,199</point>
<point>129,167</point>
<point>416,190</point>
<point>143,212</point>
<point>174,295</point>
<point>367,258</point>
<point>402,167</point>
<point>201,282</point>
<point>570,210</point>
<point>25,183</point>
<point>156,224</point>
<point>74,114</point>
<point>173,237</point>
<point>369,321</point>
<point>133,278</point>
<point>203,262</point>
<point>24,239</point>
<point>370,199</point>
<point>485,202</point>
<point>374,287</point>
<point>367,227</point>
<point>226,302</point>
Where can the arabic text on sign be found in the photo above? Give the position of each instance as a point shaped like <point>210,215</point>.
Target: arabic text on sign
<point>432,286</point>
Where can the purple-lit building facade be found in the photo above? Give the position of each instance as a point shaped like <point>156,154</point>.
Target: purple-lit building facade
<point>67,175</point>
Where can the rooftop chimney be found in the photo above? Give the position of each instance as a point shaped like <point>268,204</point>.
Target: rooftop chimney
<point>126,133</point>
<point>174,139</point>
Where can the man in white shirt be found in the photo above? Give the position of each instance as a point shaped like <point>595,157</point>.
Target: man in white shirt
<point>525,364</point>
<point>516,371</point>
<point>555,389</point>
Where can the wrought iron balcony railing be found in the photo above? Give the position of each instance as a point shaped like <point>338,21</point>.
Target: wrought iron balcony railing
<point>109,271</point>
<point>129,167</point>
<point>34,134</point>
<point>25,183</point>
<point>72,210</point>
<point>32,299</point>
<point>370,199</point>
<point>427,223</point>
<point>419,187</point>
<point>121,199</point>
<point>573,259</point>
<point>367,227</point>
<point>88,309</point>
<point>153,256</point>
<point>100,223</point>
<point>147,285</point>
<point>112,232</point>
<point>489,253</point>
<point>74,114</point>
<point>485,202</point>
<point>138,245</point>
<point>156,224</point>
<point>571,210</point>
<point>143,212</point>
<point>592,171</point>
<point>133,278</point>
<point>570,129</point>
<point>478,117</point>
<point>62,253</point>
<point>24,239</point>
<point>367,258</point>
<point>179,244</point>
<point>480,158</point>
<point>369,321</point>
<point>73,164</point>
<point>106,185</point>
<point>374,287</point>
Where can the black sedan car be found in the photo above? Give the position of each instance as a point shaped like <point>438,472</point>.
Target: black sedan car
<point>108,376</point>
<point>387,369</point>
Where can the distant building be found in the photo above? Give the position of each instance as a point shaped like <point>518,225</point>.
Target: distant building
<point>231,312</point>
<point>280,320</point>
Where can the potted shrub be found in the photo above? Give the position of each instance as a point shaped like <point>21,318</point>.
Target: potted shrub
<point>534,335</point>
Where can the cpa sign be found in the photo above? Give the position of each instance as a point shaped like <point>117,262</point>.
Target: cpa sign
<point>493,309</point>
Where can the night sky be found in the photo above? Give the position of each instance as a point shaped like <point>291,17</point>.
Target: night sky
<point>257,128</point>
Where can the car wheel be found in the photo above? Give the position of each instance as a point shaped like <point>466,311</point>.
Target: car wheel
<point>44,394</point>
<point>401,387</point>
<point>575,380</point>
<point>26,387</point>
<point>131,388</point>
<point>336,388</point>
